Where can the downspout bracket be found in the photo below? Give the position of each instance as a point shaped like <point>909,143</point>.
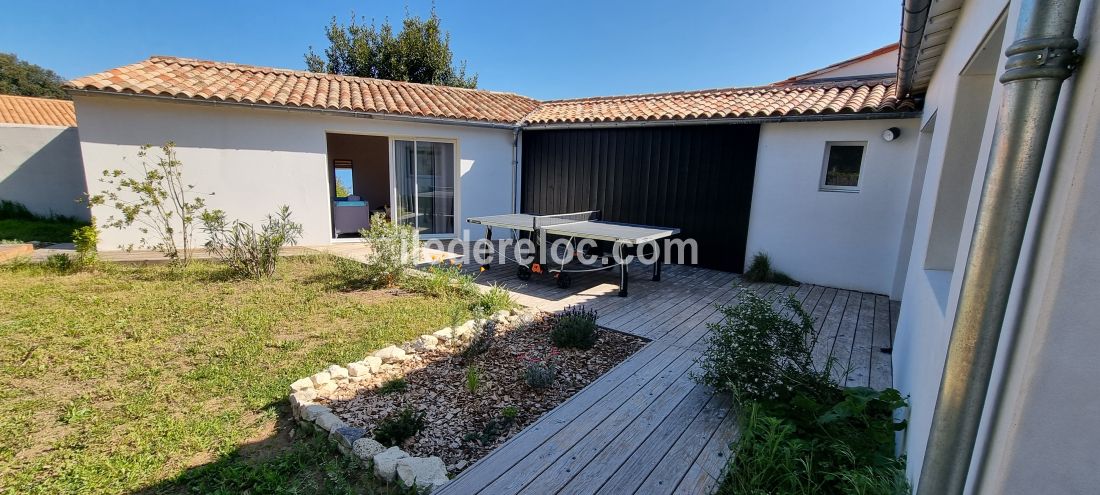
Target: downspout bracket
<point>1041,58</point>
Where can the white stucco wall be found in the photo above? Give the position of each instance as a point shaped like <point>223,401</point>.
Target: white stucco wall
<point>257,159</point>
<point>40,167</point>
<point>931,296</point>
<point>840,239</point>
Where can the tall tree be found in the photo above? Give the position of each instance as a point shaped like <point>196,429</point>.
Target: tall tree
<point>420,53</point>
<point>22,78</point>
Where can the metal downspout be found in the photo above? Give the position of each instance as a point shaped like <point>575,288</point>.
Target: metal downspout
<point>1041,57</point>
<point>913,21</point>
<point>515,165</point>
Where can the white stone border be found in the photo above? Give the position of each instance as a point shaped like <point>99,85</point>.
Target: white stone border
<point>427,473</point>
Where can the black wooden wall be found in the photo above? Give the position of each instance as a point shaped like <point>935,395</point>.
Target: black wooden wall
<point>698,178</point>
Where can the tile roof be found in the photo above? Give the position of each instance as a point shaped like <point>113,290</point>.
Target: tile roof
<point>834,97</point>
<point>36,111</point>
<point>227,82</point>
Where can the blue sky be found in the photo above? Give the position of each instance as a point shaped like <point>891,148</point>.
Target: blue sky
<point>542,49</point>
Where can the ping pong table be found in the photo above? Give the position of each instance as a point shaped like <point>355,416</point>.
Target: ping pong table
<point>573,227</point>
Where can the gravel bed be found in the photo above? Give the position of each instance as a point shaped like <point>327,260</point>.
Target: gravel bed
<point>462,426</point>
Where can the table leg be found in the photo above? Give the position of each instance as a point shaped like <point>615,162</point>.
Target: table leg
<point>624,277</point>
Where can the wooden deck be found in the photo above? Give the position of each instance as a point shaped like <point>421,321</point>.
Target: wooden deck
<point>646,426</point>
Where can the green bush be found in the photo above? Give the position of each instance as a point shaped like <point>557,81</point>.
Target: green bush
<point>473,378</point>
<point>442,280</point>
<point>245,250</point>
<point>393,250</point>
<point>756,353</point>
<point>393,386</point>
<point>761,270</point>
<point>85,239</point>
<point>802,433</point>
<point>574,327</point>
<point>541,369</point>
<point>398,427</point>
<point>495,299</point>
<point>847,448</point>
<point>60,263</point>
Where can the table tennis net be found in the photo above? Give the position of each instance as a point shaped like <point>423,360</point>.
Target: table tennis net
<point>541,221</point>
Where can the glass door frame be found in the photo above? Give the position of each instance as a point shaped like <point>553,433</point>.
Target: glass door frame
<point>456,169</point>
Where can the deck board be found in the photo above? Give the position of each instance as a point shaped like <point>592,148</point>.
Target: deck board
<point>646,426</point>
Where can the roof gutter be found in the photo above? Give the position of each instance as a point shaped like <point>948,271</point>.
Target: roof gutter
<point>914,18</point>
<point>730,120</point>
<point>327,111</point>
<point>1042,56</point>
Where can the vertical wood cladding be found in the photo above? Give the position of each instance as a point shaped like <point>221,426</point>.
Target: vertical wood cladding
<point>698,178</point>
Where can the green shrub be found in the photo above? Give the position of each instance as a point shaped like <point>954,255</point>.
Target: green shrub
<point>760,270</point>
<point>495,299</point>
<point>245,250</point>
<point>398,427</point>
<point>541,369</point>
<point>842,450</point>
<point>510,412</point>
<point>574,327</point>
<point>802,433</point>
<point>393,250</point>
<point>756,353</point>
<point>85,239</point>
<point>473,378</point>
<point>60,263</point>
<point>442,280</point>
<point>393,386</point>
<point>492,430</point>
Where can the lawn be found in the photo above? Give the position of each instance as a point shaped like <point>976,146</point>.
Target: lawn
<point>174,380</point>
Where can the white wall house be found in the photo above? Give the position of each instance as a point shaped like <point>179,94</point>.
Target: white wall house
<point>840,237</point>
<point>254,160</point>
<point>1033,436</point>
<point>40,163</point>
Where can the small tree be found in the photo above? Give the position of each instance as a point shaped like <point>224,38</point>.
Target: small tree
<point>393,250</point>
<point>247,251</point>
<point>157,200</point>
<point>420,52</point>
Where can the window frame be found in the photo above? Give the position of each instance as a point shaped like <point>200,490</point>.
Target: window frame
<point>338,164</point>
<point>822,186</point>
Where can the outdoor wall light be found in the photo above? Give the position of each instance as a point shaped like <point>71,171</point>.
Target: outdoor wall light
<point>891,134</point>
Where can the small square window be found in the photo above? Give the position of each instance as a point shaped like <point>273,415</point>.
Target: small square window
<point>843,161</point>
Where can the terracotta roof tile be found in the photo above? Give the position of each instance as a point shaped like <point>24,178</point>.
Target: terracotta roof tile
<point>36,111</point>
<point>219,81</point>
<point>834,97</point>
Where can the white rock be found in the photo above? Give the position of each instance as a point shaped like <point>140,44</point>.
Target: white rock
<point>358,370</point>
<point>501,315</point>
<point>337,372</point>
<point>426,342</point>
<point>312,411</point>
<point>357,379</point>
<point>366,448</point>
<point>321,378</point>
<point>300,385</point>
<point>421,471</point>
<point>444,334</point>
<point>385,462</point>
<point>328,388</point>
<point>299,400</point>
<point>390,354</point>
<point>329,422</point>
<point>372,362</point>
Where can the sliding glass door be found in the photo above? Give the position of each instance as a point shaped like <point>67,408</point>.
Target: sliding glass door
<point>425,180</point>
